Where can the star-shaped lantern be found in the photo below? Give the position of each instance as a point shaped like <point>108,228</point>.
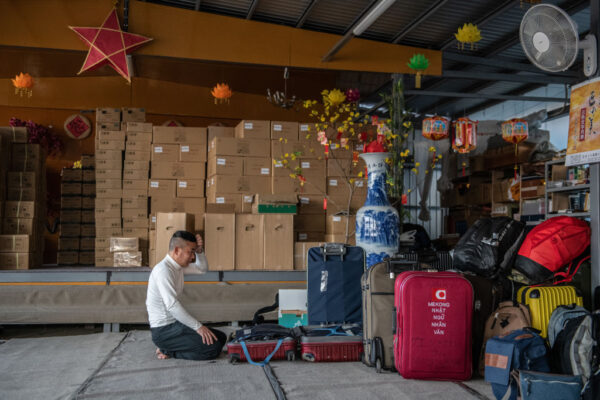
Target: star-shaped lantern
<point>108,44</point>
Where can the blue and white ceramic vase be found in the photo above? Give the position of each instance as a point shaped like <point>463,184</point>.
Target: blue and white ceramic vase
<point>377,230</point>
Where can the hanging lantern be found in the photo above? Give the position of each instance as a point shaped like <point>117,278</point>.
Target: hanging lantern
<point>515,131</point>
<point>465,135</point>
<point>436,128</point>
<point>418,63</point>
<point>23,84</point>
<point>222,93</point>
<point>469,34</point>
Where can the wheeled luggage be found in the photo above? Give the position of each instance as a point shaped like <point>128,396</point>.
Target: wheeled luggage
<point>331,348</point>
<point>378,310</point>
<point>433,325</point>
<point>262,343</point>
<point>543,300</point>
<point>334,272</point>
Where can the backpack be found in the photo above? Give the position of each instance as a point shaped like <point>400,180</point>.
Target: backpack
<point>550,246</point>
<point>559,318</point>
<point>509,316</point>
<point>519,350</point>
<point>489,246</point>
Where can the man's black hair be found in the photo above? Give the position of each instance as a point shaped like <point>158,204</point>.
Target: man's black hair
<point>178,237</point>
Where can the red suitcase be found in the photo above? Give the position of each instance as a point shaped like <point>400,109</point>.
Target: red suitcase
<point>259,350</point>
<point>432,336</point>
<point>331,348</point>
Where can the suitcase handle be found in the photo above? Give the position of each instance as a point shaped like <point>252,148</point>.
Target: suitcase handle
<point>266,360</point>
<point>333,249</point>
<point>396,265</point>
<point>394,321</point>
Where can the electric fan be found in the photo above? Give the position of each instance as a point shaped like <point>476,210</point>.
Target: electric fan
<point>550,40</point>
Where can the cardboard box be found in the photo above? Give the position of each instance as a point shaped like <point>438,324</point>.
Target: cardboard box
<point>309,236</point>
<point>225,165</point>
<point>114,155</point>
<point>22,152</point>
<point>21,209</point>
<point>137,165</point>
<point>138,145</point>
<point>88,175</point>
<point>287,184</point>
<point>139,140</point>
<point>127,259</point>
<point>108,223</point>
<point>345,167</point>
<point>177,170</point>
<point>135,213</point>
<point>133,114</point>
<point>108,231</point>
<point>108,126</point>
<point>68,257</point>
<point>139,203</point>
<point>305,149</point>
<point>505,156</point>
<point>141,233</point>
<point>166,225</point>
<point>107,204</point>
<point>74,188</point>
<point>139,127</point>
<point>100,184</point>
<point>86,258</point>
<point>70,202</point>
<point>337,204</point>
<point>190,188</point>
<point>309,223</point>
<point>19,261</point>
<point>16,244</point>
<point>309,204</point>
<point>339,187</point>
<point>103,261</point>
<point>193,153</point>
<point>108,115</point>
<point>253,129</point>
<point>87,244</point>
<point>23,194</point>
<point>88,189</point>
<point>219,241</point>
<point>266,203</point>
<point>162,187</point>
<point>194,206</point>
<point>88,230</point>
<point>135,222</point>
<point>340,238</point>
<point>307,131</point>
<point>257,166</point>
<point>68,244</point>
<point>178,135</point>
<point>301,252</point>
<point>220,131</point>
<point>278,241</point>
<point>532,188</point>
<point>247,201</point>
<point>135,193</point>
<point>124,244</point>
<point>237,184</point>
<point>136,174</point>
<point>284,130</point>
<point>110,135</point>
<point>249,235</point>
<point>336,224</point>
<point>109,145</point>
<point>137,155</point>
<point>22,179</point>
<point>88,161</point>
<point>70,230</point>
<point>313,168</point>
<point>234,199</point>
<point>239,147</point>
<point>339,152</point>
<point>71,175</point>
<point>70,216</point>
<point>88,217</point>
<point>284,168</point>
<point>165,152</point>
<point>21,226</point>
<point>109,164</point>
<point>135,184</point>
<point>87,203</point>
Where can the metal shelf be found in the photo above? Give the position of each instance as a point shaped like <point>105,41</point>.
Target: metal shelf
<point>568,188</point>
<point>573,214</point>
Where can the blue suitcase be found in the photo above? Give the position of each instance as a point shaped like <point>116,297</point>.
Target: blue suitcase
<point>334,272</point>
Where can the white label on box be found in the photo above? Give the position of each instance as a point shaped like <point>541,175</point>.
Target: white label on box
<point>359,183</point>
<point>277,128</point>
<point>158,149</point>
<point>154,184</point>
<point>182,184</point>
<point>220,200</point>
<point>304,200</point>
<point>154,219</point>
<point>265,171</point>
<point>248,199</point>
<point>278,164</point>
<point>333,182</point>
<point>305,164</point>
<point>185,149</point>
<point>302,236</point>
<point>336,218</point>
<point>304,128</point>
<point>221,161</point>
<point>248,125</point>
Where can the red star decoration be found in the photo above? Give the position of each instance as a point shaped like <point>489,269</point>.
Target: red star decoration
<point>108,44</point>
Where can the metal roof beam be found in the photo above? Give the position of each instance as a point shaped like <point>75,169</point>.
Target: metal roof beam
<point>252,9</point>
<point>306,13</point>
<point>416,22</point>
<point>494,76</point>
<point>491,96</point>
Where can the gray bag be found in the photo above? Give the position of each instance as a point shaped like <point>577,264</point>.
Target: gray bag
<point>559,318</point>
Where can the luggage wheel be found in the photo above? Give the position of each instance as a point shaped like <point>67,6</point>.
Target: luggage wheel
<point>308,357</point>
<point>290,355</point>
<point>234,358</point>
<point>378,366</point>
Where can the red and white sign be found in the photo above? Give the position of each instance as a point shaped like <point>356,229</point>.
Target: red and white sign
<point>438,294</point>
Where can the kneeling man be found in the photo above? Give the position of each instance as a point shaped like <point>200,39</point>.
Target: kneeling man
<point>174,331</point>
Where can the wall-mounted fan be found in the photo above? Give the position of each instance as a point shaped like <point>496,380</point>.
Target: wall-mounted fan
<point>550,40</point>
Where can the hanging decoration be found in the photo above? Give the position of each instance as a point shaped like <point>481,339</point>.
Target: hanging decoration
<point>352,95</point>
<point>41,135</point>
<point>465,137</point>
<point>23,84</point>
<point>279,98</point>
<point>108,44</point>
<point>78,127</point>
<point>515,131</point>
<point>470,34</point>
<point>222,93</point>
<point>418,63</point>
<point>436,128</point>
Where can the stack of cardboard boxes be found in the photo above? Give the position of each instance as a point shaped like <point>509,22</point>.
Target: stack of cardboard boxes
<point>23,173</point>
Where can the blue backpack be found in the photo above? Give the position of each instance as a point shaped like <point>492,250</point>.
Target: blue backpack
<point>519,350</point>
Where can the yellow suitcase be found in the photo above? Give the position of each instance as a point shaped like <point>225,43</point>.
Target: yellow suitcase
<point>543,300</point>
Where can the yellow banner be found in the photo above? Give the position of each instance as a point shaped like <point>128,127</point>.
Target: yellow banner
<point>583,146</point>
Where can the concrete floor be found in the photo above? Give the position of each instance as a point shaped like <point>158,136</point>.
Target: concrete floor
<point>74,362</point>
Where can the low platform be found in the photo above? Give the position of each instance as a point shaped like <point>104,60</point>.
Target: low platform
<point>123,366</point>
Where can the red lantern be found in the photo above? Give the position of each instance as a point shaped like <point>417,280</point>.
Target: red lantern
<point>515,130</point>
<point>465,135</point>
<point>436,128</point>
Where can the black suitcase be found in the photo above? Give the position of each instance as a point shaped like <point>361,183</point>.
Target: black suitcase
<point>334,271</point>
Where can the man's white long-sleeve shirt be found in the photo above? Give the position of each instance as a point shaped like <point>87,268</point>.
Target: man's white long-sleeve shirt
<point>164,288</point>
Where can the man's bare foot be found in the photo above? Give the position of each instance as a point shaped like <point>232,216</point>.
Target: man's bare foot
<point>160,355</point>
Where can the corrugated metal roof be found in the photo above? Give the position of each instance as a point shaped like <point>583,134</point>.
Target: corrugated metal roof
<point>335,16</point>
<point>286,12</point>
